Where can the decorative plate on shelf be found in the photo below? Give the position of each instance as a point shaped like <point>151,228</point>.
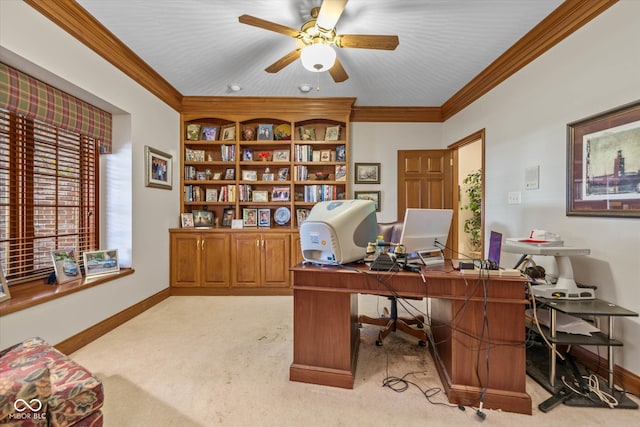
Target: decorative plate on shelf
<point>282,132</point>
<point>282,215</point>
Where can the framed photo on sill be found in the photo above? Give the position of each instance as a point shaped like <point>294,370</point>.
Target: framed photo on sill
<point>367,173</point>
<point>101,262</point>
<point>374,196</point>
<point>603,164</point>
<point>65,265</point>
<point>5,294</point>
<point>158,168</point>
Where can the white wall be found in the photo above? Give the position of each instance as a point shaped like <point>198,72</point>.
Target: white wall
<point>135,219</point>
<point>595,69</point>
<point>378,143</point>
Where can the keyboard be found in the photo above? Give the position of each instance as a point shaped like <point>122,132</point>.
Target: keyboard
<point>384,262</point>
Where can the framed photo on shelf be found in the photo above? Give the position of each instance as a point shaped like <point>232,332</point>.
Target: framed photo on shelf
<point>325,155</point>
<point>248,175</point>
<point>202,219</point>
<point>209,133</point>
<point>301,215</point>
<point>265,132</point>
<point>341,173</point>
<point>217,176</point>
<point>341,153</point>
<point>158,168</point>
<point>249,217</point>
<point>230,174</point>
<point>248,133</point>
<point>332,134</point>
<point>193,132</point>
<point>264,217</point>
<point>367,173</point>
<point>5,294</point>
<point>186,220</point>
<point>307,133</point>
<point>280,155</point>
<point>369,195</point>
<point>267,177</point>
<point>211,195</point>
<point>260,196</point>
<point>603,164</point>
<point>65,265</point>
<point>283,174</point>
<point>100,262</point>
<point>280,194</point>
<point>247,154</point>
<point>229,133</point>
<point>228,215</point>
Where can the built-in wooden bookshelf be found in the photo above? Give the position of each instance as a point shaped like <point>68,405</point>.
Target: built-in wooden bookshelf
<point>263,162</point>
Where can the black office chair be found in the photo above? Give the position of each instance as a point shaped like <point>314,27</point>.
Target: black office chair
<point>390,322</point>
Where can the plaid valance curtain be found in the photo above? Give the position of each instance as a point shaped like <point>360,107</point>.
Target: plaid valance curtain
<point>25,95</point>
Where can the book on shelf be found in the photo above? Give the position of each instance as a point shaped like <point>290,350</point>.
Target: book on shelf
<point>228,153</point>
<point>320,192</point>
<point>244,191</point>
<point>189,173</point>
<point>341,153</point>
<point>303,153</point>
<point>315,156</point>
<point>301,173</point>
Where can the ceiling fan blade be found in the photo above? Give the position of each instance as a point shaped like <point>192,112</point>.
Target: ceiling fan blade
<point>364,41</point>
<point>330,12</point>
<point>268,25</point>
<point>284,61</point>
<point>337,72</point>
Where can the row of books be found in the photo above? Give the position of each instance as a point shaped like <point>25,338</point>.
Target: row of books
<point>307,153</point>
<point>320,192</point>
<point>195,193</point>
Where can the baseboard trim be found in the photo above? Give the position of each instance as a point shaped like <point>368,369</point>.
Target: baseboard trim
<point>99,329</point>
<point>599,365</point>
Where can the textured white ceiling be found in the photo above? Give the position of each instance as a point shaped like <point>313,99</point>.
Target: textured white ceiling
<point>200,48</point>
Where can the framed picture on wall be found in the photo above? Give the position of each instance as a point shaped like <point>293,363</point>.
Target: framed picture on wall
<point>374,196</point>
<point>603,164</point>
<point>158,168</point>
<point>367,173</point>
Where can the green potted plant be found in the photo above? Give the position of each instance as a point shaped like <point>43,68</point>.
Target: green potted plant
<point>473,224</point>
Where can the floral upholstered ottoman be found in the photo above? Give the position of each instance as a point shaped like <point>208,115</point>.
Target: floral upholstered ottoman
<point>39,386</point>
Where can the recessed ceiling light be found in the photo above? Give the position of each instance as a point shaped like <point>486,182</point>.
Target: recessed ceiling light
<point>235,87</point>
<point>305,87</point>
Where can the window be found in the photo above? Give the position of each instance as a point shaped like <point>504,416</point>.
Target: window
<point>48,194</point>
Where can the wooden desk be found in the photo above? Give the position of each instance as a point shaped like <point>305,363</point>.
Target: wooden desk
<point>472,356</point>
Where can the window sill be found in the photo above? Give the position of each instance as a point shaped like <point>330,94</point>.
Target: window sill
<point>30,294</point>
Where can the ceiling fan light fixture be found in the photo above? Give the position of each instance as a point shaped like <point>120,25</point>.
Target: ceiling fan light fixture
<point>305,87</point>
<point>234,87</point>
<point>318,57</point>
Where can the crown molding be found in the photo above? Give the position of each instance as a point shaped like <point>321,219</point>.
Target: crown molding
<point>396,114</point>
<point>75,20</point>
<point>562,22</point>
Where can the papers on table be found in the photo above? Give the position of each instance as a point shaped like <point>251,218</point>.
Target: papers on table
<point>565,322</point>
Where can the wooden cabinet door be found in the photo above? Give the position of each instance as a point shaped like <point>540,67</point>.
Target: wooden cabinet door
<point>245,260</point>
<point>215,260</point>
<point>276,260</point>
<point>185,259</point>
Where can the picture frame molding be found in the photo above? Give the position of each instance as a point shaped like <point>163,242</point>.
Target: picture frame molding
<point>613,130</point>
<point>151,178</point>
<point>362,168</point>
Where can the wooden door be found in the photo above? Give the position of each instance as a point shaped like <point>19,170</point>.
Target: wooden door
<point>245,260</point>
<point>185,259</point>
<point>276,260</point>
<point>215,260</point>
<point>425,180</point>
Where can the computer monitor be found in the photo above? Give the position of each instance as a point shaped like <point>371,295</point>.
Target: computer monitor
<point>425,233</point>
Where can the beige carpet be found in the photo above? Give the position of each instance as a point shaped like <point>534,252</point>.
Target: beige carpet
<point>206,361</point>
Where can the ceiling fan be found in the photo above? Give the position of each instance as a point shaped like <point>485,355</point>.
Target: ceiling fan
<point>318,36</point>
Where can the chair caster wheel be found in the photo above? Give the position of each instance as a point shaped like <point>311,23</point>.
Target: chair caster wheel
<point>379,343</point>
<point>420,325</point>
<point>422,343</point>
